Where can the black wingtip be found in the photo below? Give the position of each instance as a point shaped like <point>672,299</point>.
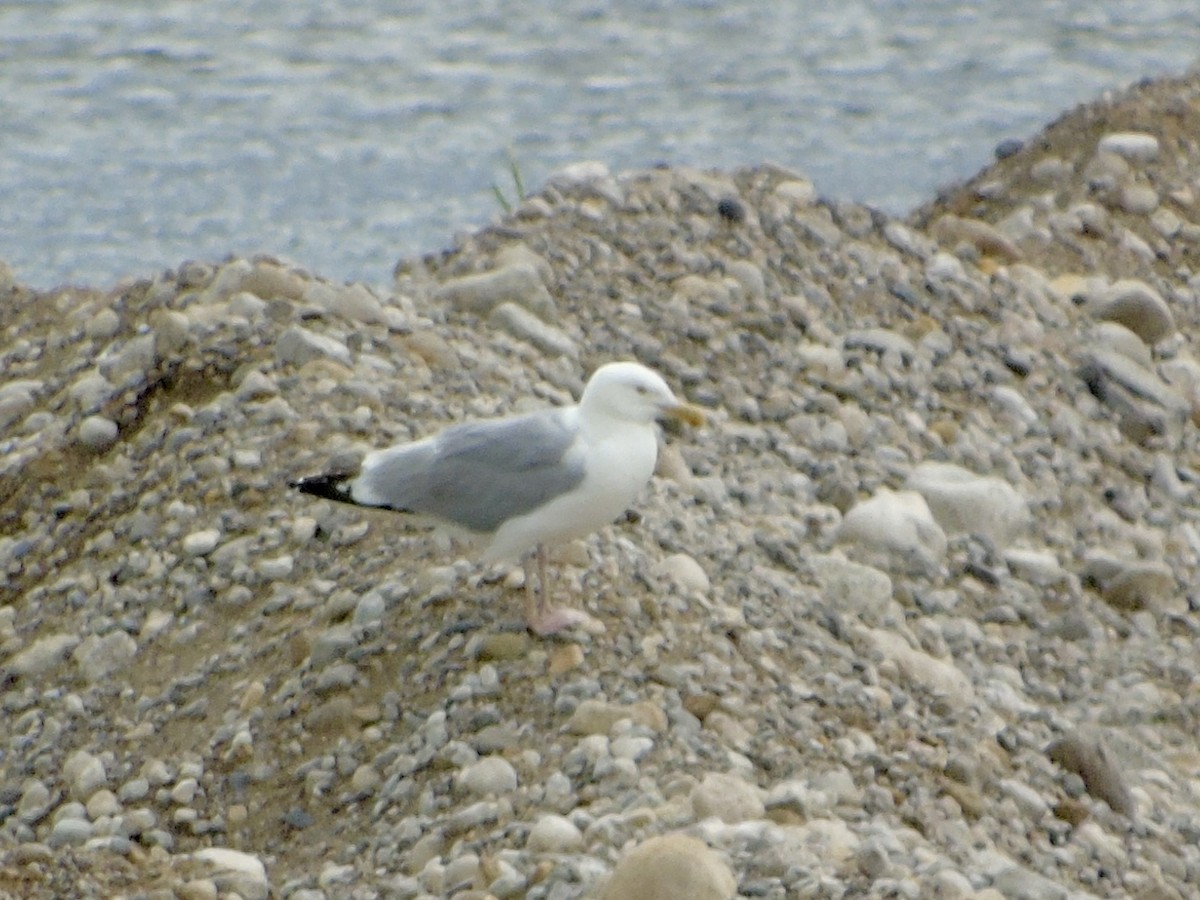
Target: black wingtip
<point>334,486</point>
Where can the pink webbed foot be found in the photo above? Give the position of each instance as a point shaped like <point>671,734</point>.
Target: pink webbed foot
<point>543,619</point>
<point>548,622</point>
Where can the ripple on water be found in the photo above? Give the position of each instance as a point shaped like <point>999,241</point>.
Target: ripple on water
<point>141,134</point>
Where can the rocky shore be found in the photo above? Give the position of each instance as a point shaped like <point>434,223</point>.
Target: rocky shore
<point>914,616</point>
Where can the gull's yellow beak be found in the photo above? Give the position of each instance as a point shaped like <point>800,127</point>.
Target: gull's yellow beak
<point>686,413</point>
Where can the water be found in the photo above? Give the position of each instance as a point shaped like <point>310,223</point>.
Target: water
<point>346,135</point>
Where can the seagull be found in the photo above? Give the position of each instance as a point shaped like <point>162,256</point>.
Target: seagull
<point>522,482</point>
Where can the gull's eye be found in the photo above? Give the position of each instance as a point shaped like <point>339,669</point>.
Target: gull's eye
<point>641,389</point>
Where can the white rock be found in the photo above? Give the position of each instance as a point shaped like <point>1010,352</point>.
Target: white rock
<point>354,302</point>
<point>84,774</point>
<point>936,676</point>
<point>1132,145</point>
<point>1139,199</point>
<point>103,324</point>
<point>247,305</point>
<point>554,834</point>
<point>521,323</point>
<point>297,346</point>
<point>365,779</point>
<point>509,883</point>
<point>1018,881</point>
<point>102,803</point>
<point>749,277</point>
<point>945,266</point>
<point>1140,380</point>
<point>1116,337</point>
<point>513,254</point>
<point>671,867</point>
<point>134,358</point>
<point>42,655</point>
<point>1016,407</point>
<point>184,791</point>
<point>948,884</point>
<point>895,521</point>
<point>729,798</point>
<point>831,839</point>
<point>963,502</point>
<point>229,277</point>
<point>99,657</point>
<point>35,802</point>
<point>1040,567</point>
<point>17,398</point>
<point>1032,806</point>
<point>597,717</point>
<point>70,832</point>
<point>851,586</point>
<point>235,871</point>
<point>631,747</point>
<point>480,293</point>
<point>256,385</point>
<point>1138,307</point>
<point>369,609</point>
<point>490,775</point>
<point>684,572</point>
<point>157,621</point>
<point>798,192</point>
<point>201,543</point>
<point>276,567</point>
<point>333,876</point>
<point>90,391</point>
<point>97,432</point>
<point>133,790</point>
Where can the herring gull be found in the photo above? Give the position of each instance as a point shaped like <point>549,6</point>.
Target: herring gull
<point>522,482</point>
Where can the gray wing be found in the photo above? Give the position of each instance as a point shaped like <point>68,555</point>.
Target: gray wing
<point>478,474</point>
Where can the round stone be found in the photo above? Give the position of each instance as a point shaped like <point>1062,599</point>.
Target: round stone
<point>728,798</point>
<point>1138,307</point>
<point>671,867</point>
<point>103,324</point>
<point>97,432</point>
<point>70,832</point>
<point>554,834</point>
<point>490,775</point>
<point>684,572</point>
<point>1008,147</point>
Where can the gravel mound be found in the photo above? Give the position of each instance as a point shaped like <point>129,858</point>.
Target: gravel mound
<point>914,616</point>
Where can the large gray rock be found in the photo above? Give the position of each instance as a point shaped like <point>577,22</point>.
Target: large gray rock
<point>966,503</point>
<point>480,293</point>
<point>235,871</point>
<point>1138,307</point>
<point>897,522</point>
<point>297,346</point>
<point>671,867</point>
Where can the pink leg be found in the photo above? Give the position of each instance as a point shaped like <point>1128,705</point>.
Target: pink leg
<point>540,617</point>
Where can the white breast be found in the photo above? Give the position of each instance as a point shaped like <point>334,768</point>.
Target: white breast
<point>618,466</point>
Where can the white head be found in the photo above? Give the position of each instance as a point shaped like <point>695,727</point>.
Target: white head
<point>630,392</point>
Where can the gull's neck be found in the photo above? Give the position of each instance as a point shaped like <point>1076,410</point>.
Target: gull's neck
<point>594,419</point>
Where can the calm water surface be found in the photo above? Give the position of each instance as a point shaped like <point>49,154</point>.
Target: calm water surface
<point>346,135</point>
